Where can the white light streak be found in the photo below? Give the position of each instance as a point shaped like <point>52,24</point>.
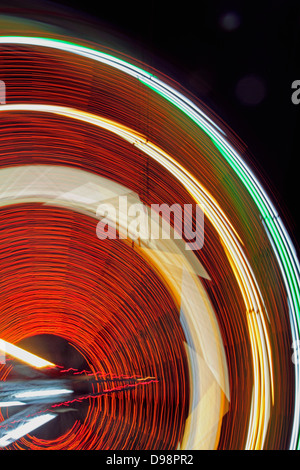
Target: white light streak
<point>25,428</point>
<point>6,404</point>
<point>43,393</point>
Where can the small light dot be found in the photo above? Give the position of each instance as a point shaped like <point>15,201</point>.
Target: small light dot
<point>250,90</point>
<point>230,21</point>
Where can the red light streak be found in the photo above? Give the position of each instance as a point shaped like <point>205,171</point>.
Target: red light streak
<point>102,374</point>
<point>80,399</point>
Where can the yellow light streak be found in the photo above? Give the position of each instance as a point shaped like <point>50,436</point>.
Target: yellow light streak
<point>24,356</point>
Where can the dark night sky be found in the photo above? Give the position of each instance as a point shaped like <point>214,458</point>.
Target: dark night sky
<point>213,55</point>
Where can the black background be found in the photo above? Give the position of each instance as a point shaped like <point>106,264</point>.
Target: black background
<point>186,41</point>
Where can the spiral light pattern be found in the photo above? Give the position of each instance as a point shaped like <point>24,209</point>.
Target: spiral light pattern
<point>204,337</point>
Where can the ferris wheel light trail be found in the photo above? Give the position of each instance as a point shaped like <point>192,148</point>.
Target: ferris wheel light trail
<point>262,360</point>
<point>24,356</point>
<point>263,390</point>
